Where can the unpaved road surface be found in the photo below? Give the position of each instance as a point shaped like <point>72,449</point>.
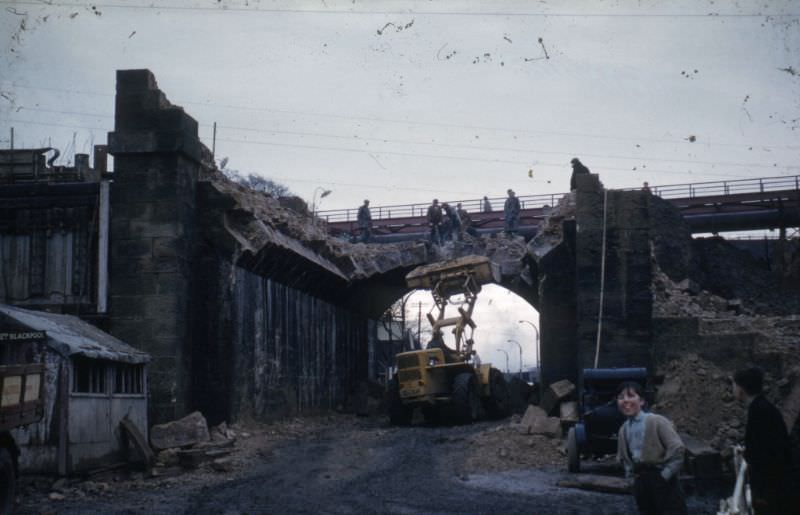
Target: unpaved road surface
<point>347,465</point>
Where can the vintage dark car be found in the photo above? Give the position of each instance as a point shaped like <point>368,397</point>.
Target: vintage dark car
<point>595,434</point>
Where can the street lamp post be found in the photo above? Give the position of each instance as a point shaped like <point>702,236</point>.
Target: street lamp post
<point>537,340</point>
<point>506,353</point>
<point>515,342</point>
<point>324,194</point>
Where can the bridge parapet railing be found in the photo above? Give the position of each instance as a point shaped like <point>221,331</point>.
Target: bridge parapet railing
<point>721,188</point>
<point>472,206</point>
<point>672,191</point>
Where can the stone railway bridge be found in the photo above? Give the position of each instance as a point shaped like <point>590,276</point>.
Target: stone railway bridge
<point>250,309</point>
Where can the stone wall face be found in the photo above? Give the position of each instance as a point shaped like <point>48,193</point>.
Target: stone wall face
<point>626,292</point>
<point>156,153</point>
<point>231,342</point>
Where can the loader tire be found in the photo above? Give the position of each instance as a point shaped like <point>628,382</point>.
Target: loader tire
<point>466,401</point>
<point>498,404</point>
<point>8,482</point>
<point>573,455</point>
<point>399,413</point>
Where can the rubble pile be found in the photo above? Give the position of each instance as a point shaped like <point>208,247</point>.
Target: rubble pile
<point>533,440</point>
<point>686,299</point>
<point>733,273</point>
<point>254,220</point>
<point>551,230</point>
<point>508,447</point>
<point>698,397</point>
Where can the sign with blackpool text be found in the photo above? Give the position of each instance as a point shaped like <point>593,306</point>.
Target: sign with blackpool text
<point>21,336</point>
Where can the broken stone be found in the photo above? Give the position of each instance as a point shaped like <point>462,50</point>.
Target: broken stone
<point>532,414</point>
<point>547,426</point>
<point>701,460</point>
<point>55,496</point>
<point>555,394</point>
<point>190,430</point>
<point>60,484</point>
<point>568,413</point>
<point>222,432</point>
<point>222,464</point>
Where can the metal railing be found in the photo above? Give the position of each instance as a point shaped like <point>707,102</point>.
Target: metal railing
<point>721,188</point>
<point>672,191</point>
<point>421,209</point>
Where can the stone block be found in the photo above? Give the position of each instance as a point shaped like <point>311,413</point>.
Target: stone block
<point>150,265</point>
<point>555,394</point>
<point>136,284</point>
<point>161,306</point>
<point>547,426</point>
<point>135,81</point>
<point>190,430</point>
<point>133,331</point>
<point>700,460</point>
<point>532,414</point>
<point>166,248</point>
<point>568,413</point>
<point>130,305</point>
<point>131,249</point>
<point>148,229</point>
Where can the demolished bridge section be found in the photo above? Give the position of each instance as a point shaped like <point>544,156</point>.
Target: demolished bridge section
<point>240,301</point>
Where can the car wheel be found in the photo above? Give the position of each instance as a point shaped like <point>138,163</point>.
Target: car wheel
<point>573,456</point>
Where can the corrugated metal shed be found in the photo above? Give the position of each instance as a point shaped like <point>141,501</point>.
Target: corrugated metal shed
<point>69,335</point>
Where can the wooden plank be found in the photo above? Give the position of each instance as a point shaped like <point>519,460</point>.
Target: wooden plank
<point>596,483</point>
<point>137,438</point>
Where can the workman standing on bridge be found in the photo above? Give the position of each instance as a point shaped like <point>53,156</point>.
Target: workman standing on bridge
<point>365,221</point>
<point>435,222</point>
<point>578,168</point>
<point>466,221</point>
<point>487,206</point>
<point>453,223</point>
<point>511,214</point>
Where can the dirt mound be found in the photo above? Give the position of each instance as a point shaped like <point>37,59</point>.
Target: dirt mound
<point>732,273</point>
<point>698,397</point>
<point>506,448</point>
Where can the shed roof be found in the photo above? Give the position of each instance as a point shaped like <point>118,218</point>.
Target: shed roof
<point>69,335</point>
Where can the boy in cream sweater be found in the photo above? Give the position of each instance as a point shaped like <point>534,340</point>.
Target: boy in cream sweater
<point>652,453</point>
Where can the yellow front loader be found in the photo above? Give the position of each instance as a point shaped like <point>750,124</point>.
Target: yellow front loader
<point>448,385</point>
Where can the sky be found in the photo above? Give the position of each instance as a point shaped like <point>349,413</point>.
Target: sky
<point>403,101</point>
<point>497,314</point>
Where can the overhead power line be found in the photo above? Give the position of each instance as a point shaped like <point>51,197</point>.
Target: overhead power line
<point>471,147</point>
<point>538,164</point>
<point>222,8</point>
<point>411,123</point>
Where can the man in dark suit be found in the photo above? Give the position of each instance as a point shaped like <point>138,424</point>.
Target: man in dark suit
<point>766,442</point>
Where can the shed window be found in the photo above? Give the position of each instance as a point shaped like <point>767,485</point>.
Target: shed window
<point>128,379</point>
<point>89,376</point>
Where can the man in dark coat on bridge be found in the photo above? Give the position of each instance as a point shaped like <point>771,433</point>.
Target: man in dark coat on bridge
<point>434,217</point>
<point>466,221</point>
<point>511,213</point>
<point>365,221</point>
<point>578,168</point>
<point>453,223</point>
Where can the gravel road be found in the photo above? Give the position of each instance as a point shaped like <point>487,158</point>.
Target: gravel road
<point>347,465</point>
